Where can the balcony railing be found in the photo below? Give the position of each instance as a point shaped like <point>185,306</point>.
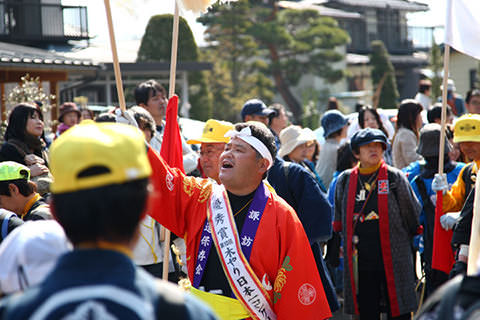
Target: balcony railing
<point>398,38</point>
<point>29,21</point>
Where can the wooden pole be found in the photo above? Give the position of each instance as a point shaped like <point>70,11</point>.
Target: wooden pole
<point>472,268</point>
<point>443,119</point>
<point>171,92</point>
<point>116,64</point>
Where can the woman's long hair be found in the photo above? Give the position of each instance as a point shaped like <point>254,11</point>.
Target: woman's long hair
<point>17,122</point>
<point>372,110</point>
<point>407,115</point>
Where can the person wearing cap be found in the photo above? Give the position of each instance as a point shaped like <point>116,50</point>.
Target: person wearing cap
<point>243,240</point>
<point>70,115</point>
<point>213,143</point>
<point>152,96</point>
<point>335,126</point>
<point>460,196</point>
<point>18,194</point>
<point>99,200</point>
<point>295,142</point>
<point>256,110</point>
<point>422,187</point>
<point>377,212</point>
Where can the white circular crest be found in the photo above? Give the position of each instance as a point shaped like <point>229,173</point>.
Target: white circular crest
<point>307,294</point>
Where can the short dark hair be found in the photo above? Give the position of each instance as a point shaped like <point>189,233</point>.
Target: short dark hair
<point>372,110</point>
<point>277,108</point>
<point>25,187</point>
<point>146,90</point>
<point>345,157</point>
<point>424,85</point>
<point>261,132</point>
<point>111,213</point>
<point>144,119</point>
<point>17,122</point>
<point>471,93</point>
<point>436,112</point>
<point>407,114</point>
<point>106,117</point>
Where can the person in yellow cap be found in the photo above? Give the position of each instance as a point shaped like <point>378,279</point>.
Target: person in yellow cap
<point>461,194</point>
<point>99,194</point>
<point>213,143</point>
<point>19,195</point>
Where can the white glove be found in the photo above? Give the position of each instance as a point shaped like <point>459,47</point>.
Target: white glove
<point>440,183</point>
<point>448,220</point>
<point>125,117</point>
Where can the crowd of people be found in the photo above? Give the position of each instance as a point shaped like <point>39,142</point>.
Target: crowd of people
<point>299,228</point>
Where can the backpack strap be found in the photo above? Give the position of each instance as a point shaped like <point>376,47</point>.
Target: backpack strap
<point>286,169</point>
<point>5,218</point>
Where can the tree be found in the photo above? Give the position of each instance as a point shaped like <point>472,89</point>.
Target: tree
<point>383,75</point>
<point>156,46</point>
<point>292,42</point>
<point>436,64</point>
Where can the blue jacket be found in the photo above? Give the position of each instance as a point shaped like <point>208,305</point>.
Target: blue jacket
<point>302,192</point>
<point>101,284</point>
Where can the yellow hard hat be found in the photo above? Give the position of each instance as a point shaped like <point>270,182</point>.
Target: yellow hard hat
<point>467,128</point>
<point>214,132</point>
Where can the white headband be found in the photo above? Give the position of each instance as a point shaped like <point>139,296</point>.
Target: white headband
<point>246,135</point>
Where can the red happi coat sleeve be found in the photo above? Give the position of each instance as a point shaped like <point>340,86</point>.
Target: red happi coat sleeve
<point>178,202</point>
<point>281,254</point>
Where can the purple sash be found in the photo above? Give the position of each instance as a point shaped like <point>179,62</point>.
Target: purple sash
<point>249,230</point>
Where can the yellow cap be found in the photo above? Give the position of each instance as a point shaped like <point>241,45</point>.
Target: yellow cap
<point>467,128</point>
<point>213,132</point>
<point>10,170</point>
<point>92,155</point>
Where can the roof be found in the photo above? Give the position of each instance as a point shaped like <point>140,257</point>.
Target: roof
<point>21,56</point>
<point>323,11</point>
<point>147,67</point>
<point>403,5</point>
<point>414,60</point>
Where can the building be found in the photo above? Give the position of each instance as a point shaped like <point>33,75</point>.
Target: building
<point>385,20</point>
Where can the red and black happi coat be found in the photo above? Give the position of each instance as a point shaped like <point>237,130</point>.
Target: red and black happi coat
<point>398,210</point>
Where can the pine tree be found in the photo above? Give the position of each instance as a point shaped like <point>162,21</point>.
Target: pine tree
<point>291,42</point>
<point>436,65</point>
<point>156,46</point>
<point>383,76</point>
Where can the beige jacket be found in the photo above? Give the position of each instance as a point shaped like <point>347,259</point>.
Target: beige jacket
<point>404,149</point>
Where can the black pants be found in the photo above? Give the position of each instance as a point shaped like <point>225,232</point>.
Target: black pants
<point>156,270</point>
<point>372,286</point>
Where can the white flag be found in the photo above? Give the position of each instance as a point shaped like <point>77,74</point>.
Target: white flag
<point>462,27</point>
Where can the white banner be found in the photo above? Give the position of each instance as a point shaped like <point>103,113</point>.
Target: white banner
<point>462,26</point>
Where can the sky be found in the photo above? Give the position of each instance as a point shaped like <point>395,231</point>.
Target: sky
<point>130,17</point>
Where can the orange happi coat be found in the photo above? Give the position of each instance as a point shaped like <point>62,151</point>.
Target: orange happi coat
<point>281,256</point>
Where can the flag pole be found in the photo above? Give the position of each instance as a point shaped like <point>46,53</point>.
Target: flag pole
<point>442,255</point>
<point>116,64</point>
<point>443,119</point>
<point>171,92</point>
